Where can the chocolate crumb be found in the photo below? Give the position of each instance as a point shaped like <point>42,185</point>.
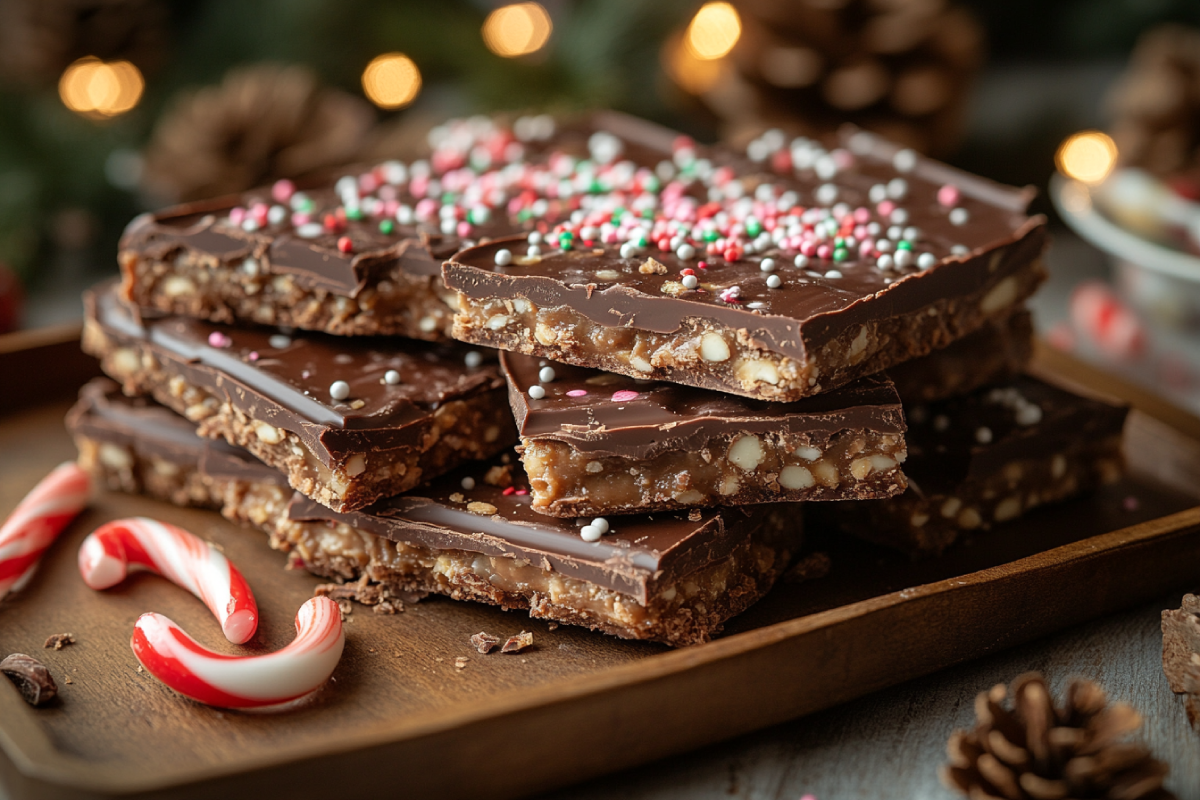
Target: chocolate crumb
<point>460,662</point>
<point>516,644</point>
<point>31,677</point>
<point>60,640</point>
<point>552,626</point>
<point>694,515</point>
<point>809,568</point>
<point>336,591</point>
<point>458,497</point>
<point>482,509</point>
<point>499,476</point>
<point>387,607</point>
<point>652,267</point>
<point>484,642</point>
<point>68,679</point>
<point>346,607</point>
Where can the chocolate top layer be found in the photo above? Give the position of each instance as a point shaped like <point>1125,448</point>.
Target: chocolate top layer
<point>286,380</point>
<point>973,242</point>
<point>606,414</point>
<point>976,435</point>
<point>638,553</point>
<point>105,414</point>
<point>297,240</point>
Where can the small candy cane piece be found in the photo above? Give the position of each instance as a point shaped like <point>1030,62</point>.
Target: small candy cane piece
<point>106,556</point>
<point>38,520</point>
<point>223,681</point>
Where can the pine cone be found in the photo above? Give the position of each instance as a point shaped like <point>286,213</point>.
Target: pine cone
<point>1156,104</point>
<point>901,68</point>
<point>1034,751</point>
<point>41,38</point>
<point>261,123</point>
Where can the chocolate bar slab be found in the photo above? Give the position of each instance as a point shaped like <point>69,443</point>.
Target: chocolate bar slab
<point>670,577</point>
<point>362,254</point>
<point>772,282</point>
<point>598,443</point>
<point>994,354</point>
<point>347,420</point>
<point>989,457</point>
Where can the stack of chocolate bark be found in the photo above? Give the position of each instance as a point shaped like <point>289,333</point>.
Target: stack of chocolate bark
<point>690,342</point>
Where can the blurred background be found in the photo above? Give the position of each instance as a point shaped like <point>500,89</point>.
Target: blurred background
<point>112,107</point>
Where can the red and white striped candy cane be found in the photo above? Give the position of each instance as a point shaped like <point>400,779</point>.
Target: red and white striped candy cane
<point>38,520</point>
<point>107,555</point>
<point>223,681</point>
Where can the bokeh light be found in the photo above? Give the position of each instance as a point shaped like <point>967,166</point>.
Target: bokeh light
<point>694,75</point>
<point>101,89</point>
<point>1087,156</point>
<point>517,30</point>
<point>391,80</point>
<point>713,31</point>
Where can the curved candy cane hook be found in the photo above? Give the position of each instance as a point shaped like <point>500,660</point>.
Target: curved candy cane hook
<point>109,552</point>
<point>38,520</point>
<point>223,681</point>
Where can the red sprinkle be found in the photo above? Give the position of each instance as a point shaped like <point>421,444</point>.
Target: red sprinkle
<point>702,264</point>
<point>345,245</point>
<point>509,490</point>
<point>732,253</point>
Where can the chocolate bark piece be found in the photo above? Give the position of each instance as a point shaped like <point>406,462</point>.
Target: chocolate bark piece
<point>361,252</point>
<point>347,420</point>
<point>768,329</point>
<point>669,577</point>
<point>599,443</point>
<point>989,457</point>
<point>995,353</point>
<point>1181,646</point>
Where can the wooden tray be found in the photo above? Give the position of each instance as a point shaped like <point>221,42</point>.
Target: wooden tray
<point>400,719</point>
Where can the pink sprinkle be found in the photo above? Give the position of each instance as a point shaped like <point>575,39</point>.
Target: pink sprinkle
<point>824,251</point>
<point>522,492</point>
<point>463,229</point>
<point>253,355</point>
<point>305,374</point>
<point>283,190</point>
<point>218,339</point>
<point>885,208</point>
<point>237,215</point>
<point>948,195</point>
<point>577,393</point>
<point>732,294</point>
<point>624,396</point>
<point>862,214</point>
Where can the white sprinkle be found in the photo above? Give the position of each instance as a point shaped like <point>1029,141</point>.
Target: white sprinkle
<point>897,188</point>
<point>310,230</point>
<point>767,265</point>
<point>801,261</point>
<point>884,261</point>
<point>959,216</point>
<point>628,250</point>
<point>449,225</point>
<point>685,252</point>
<point>774,282</point>
<point>860,142</point>
<point>833,273</point>
<point>276,214</point>
<point>1029,414</point>
<point>960,249</point>
<point>912,233</point>
<point>468,483</point>
<point>826,167</point>
<point>878,193</point>
<point>885,245</point>
<point>473,359</point>
<point>279,341</point>
<point>503,258</point>
<point>903,258</point>
<point>590,533</point>
<point>534,238</point>
<point>404,215</point>
<point>983,435</point>
<point>690,281</point>
<point>391,377</point>
<point>533,252</point>
<point>546,374</point>
<point>895,233</point>
<point>826,194</point>
<point>537,392</point>
<point>905,160</point>
<point>600,524</point>
<point>899,217</point>
<point>926,260</point>
<point>339,390</point>
<point>250,224</point>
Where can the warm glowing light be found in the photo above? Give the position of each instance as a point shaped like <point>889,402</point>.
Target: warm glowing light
<point>1088,156</point>
<point>101,89</point>
<point>694,75</point>
<point>391,80</point>
<point>713,31</point>
<point>517,30</point>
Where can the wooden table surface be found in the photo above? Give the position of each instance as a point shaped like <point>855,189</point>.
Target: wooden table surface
<point>889,745</point>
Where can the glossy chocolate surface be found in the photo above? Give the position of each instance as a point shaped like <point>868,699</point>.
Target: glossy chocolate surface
<point>976,435</point>
<point>606,414</point>
<point>286,380</point>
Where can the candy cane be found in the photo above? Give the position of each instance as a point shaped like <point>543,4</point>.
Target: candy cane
<point>38,520</point>
<point>223,681</point>
<point>106,556</point>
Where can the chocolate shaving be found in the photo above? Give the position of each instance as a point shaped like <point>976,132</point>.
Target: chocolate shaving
<point>31,677</point>
<point>484,642</point>
<point>60,640</point>
<point>516,644</point>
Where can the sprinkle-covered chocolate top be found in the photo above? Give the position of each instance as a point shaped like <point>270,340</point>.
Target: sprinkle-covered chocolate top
<point>330,391</point>
<point>605,414</point>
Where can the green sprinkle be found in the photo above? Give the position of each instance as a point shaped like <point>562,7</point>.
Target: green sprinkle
<point>354,212</point>
<point>840,254</point>
<point>524,215</point>
<point>652,184</point>
<point>711,235</point>
<point>386,226</point>
<point>754,227</point>
<point>305,206</point>
<point>904,244</point>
